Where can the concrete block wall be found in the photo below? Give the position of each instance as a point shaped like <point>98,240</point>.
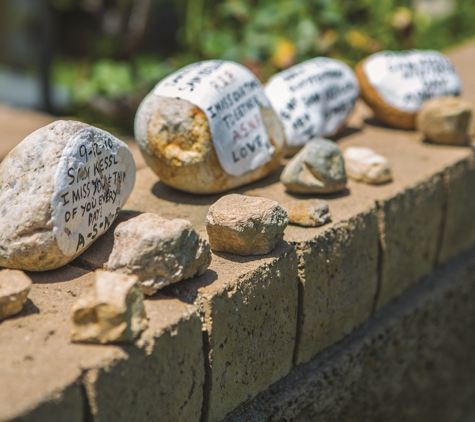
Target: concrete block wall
<point>217,342</point>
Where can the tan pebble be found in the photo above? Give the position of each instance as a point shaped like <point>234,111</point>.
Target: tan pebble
<point>311,213</point>
<point>110,311</point>
<point>446,120</point>
<point>14,288</point>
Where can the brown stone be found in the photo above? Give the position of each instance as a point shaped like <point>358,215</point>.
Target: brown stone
<point>14,288</point>
<point>445,120</point>
<point>111,311</point>
<point>310,213</point>
<point>245,225</point>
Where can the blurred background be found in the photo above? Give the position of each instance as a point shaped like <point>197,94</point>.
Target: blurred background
<point>96,59</point>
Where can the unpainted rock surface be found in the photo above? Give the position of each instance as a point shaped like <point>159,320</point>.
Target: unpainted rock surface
<point>158,251</point>
<point>318,168</point>
<point>176,142</point>
<point>446,120</point>
<point>365,165</point>
<point>60,189</point>
<point>14,288</point>
<point>245,225</point>
<point>312,213</point>
<point>111,311</point>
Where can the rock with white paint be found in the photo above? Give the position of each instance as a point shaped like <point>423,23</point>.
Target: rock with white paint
<point>446,120</point>
<point>14,288</point>
<point>313,99</point>
<point>365,165</point>
<point>158,251</point>
<point>245,225</point>
<point>317,168</point>
<point>111,310</point>
<point>60,189</point>
<point>309,213</point>
<point>396,84</point>
<point>209,128</point>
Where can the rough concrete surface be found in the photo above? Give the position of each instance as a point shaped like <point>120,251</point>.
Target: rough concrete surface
<point>250,316</point>
<point>338,273</point>
<point>412,362</point>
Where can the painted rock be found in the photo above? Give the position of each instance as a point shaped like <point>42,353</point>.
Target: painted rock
<point>396,84</point>
<point>14,288</point>
<point>310,213</point>
<point>158,251</point>
<point>317,168</point>
<point>365,165</point>
<point>313,99</point>
<point>209,128</point>
<point>446,120</point>
<point>110,311</point>
<point>245,225</point>
<point>60,189</point>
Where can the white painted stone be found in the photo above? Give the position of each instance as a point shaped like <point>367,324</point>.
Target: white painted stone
<point>313,99</point>
<point>208,128</point>
<point>245,225</point>
<point>60,189</point>
<point>110,310</point>
<point>405,80</point>
<point>14,288</point>
<point>158,251</point>
<point>365,165</point>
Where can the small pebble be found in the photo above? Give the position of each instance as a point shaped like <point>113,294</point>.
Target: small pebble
<point>14,288</point>
<point>365,165</point>
<point>312,213</point>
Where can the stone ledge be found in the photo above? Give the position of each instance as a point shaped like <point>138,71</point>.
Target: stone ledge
<point>253,295</point>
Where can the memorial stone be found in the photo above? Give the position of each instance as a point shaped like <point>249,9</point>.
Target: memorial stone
<point>317,168</point>
<point>446,120</point>
<point>245,225</point>
<point>313,99</point>
<point>208,128</point>
<point>14,288</point>
<point>365,165</point>
<point>158,251</point>
<point>396,84</point>
<point>60,189</point>
<point>110,311</point>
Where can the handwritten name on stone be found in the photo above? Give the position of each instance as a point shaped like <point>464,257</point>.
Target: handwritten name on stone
<point>405,80</point>
<point>231,98</point>
<point>313,98</point>
<point>94,177</point>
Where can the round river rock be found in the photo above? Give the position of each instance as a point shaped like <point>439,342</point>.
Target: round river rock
<point>60,189</point>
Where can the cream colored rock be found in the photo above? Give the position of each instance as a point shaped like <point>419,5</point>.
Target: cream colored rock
<point>14,288</point>
<point>175,136</point>
<point>309,213</point>
<point>317,168</point>
<point>245,225</point>
<point>158,251</point>
<point>110,311</point>
<point>396,84</point>
<point>364,165</point>
<point>60,189</point>
<point>446,120</point>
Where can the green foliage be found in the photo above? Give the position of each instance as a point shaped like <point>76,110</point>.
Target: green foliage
<point>265,35</point>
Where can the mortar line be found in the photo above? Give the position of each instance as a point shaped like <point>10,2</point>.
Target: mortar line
<point>208,379</point>
<point>300,293</point>
<point>88,417</point>
<point>443,223</point>
<point>381,253</point>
